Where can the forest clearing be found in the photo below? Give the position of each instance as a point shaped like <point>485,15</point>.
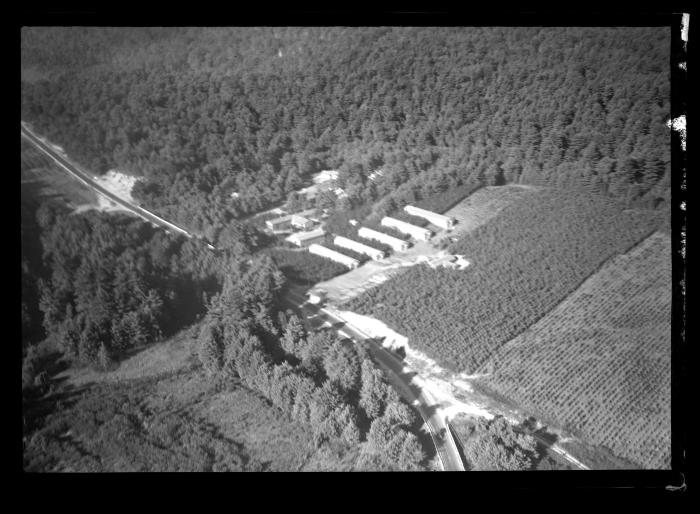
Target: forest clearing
<point>470,213</point>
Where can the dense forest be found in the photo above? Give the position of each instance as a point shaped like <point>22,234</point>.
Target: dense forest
<point>316,378</point>
<point>202,113</point>
<point>32,270</point>
<point>115,283</point>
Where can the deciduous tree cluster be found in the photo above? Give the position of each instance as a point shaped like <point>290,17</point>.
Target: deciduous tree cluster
<point>494,445</point>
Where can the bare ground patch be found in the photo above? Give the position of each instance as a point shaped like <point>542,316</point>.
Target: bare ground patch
<point>472,212</point>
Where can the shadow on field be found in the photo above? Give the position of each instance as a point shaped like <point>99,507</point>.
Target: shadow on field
<point>36,406</point>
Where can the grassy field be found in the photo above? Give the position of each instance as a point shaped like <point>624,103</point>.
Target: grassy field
<point>599,364</point>
<point>484,204</point>
<point>177,422</point>
<point>151,360</point>
<point>42,179</point>
<point>157,412</point>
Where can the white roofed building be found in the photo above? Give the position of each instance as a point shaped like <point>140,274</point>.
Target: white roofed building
<point>398,245</point>
<point>439,220</point>
<point>325,176</point>
<point>341,258</point>
<point>358,247</point>
<point>418,233</point>
<point>301,222</point>
<point>375,174</point>
<point>280,223</point>
<point>316,296</point>
<point>306,238</point>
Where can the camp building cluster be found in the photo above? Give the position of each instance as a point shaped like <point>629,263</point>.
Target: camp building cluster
<point>313,238</point>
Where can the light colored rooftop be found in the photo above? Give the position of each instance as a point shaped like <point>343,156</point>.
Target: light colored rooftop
<point>303,236</point>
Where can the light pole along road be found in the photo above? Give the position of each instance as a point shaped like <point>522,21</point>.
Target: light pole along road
<point>396,372</point>
<point>86,179</point>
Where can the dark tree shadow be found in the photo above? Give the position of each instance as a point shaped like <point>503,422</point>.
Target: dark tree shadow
<point>544,439</point>
<point>36,407</point>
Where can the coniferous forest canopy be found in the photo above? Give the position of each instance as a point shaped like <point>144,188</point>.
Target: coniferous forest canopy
<point>202,113</point>
<point>205,112</point>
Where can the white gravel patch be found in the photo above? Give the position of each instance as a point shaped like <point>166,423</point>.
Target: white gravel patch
<point>432,378</point>
<point>118,183</point>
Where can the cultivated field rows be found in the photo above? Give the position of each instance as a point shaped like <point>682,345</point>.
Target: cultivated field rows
<point>600,363</point>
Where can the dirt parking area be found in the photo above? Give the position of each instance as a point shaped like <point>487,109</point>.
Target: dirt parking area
<point>372,273</point>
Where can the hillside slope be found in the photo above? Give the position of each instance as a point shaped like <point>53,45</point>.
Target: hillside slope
<point>599,364</point>
<point>525,261</point>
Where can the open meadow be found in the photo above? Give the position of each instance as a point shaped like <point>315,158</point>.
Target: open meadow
<point>157,411</point>
<point>43,180</point>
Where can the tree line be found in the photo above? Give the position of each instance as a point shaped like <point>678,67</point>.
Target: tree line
<point>313,377</point>
<point>116,283</point>
<point>203,113</point>
<point>494,445</point>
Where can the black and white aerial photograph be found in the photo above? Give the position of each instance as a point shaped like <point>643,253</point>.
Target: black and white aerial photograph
<point>359,248</point>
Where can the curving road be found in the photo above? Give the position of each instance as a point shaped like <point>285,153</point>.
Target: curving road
<point>398,376</point>
<point>86,179</point>
<point>394,368</point>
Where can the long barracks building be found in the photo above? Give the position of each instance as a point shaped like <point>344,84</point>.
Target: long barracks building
<point>417,233</point>
<point>306,238</point>
<point>398,245</point>
<point>439,220</point>
<point>358,247</point>
<point>343,259</point>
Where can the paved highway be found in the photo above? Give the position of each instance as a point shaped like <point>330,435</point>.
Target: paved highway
<point>86,179</point>
<point>396,373</point>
